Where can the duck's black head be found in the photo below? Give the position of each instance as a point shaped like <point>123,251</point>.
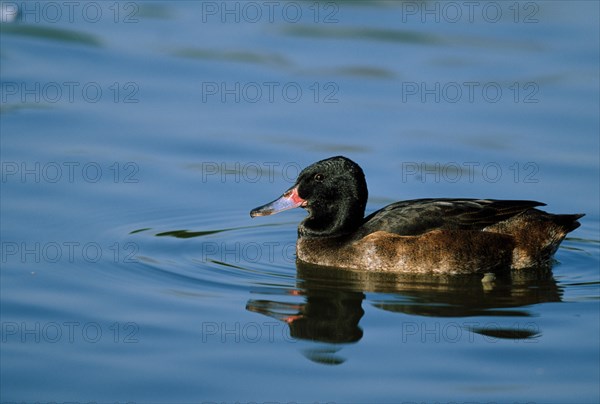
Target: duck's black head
<point>333,191</point>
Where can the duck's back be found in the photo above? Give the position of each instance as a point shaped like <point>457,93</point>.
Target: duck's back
<point>414,217</point>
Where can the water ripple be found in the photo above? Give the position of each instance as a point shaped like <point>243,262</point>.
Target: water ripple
<point>55,34</point>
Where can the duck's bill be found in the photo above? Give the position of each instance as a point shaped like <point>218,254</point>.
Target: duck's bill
<point>289,200</point>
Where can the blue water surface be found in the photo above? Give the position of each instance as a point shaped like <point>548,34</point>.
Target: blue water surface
<point>137,136</point>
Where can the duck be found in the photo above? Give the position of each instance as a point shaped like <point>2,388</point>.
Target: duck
<point>443,235</point>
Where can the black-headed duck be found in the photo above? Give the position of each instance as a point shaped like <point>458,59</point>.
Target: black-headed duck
<point>422,235</point>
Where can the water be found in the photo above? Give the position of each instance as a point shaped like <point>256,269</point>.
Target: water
<point>136,139</point>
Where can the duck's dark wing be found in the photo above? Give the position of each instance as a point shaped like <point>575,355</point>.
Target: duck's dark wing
<point>418,216</point>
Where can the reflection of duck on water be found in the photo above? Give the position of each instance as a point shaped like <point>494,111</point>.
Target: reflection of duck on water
<point>424,235</point>
<point>326,315</point>
<point>332,306</point>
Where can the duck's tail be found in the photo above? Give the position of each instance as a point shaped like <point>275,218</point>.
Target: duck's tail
<point>537,235</point>
<point>567,222</point>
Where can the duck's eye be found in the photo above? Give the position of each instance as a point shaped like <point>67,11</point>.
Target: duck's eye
<point>319,177</point>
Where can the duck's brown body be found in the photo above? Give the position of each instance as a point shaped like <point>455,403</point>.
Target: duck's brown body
<point>524,241</point>
<point>424,235</point>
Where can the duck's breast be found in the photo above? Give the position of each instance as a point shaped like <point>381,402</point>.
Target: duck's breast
<point>441,251</point>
